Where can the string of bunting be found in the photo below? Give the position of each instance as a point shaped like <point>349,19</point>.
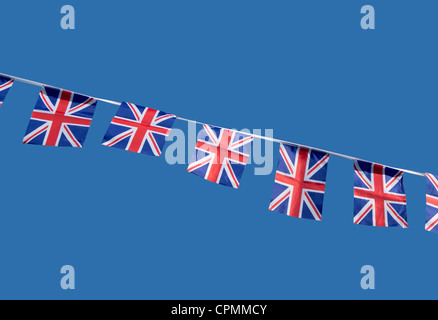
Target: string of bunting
<point>62,118</point>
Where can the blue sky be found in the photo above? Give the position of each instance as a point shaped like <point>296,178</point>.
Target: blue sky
<point>136,227</point>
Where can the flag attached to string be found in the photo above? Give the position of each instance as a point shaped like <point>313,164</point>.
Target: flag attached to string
<point>379,196</point>
<point>5,85</point>
<point>221,155</point>
<point>431,203</point>
<point>300,183</point>
<point>60,118</point>
<point>139,129</point>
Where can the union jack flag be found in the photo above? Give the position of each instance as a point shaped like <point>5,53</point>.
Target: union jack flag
<point>139,129</point>
<point>5,85</point>
<point>432,203</point>
<point>60,118</point>
<point>221,155</point>
<point>300,182</point>
<point>379,196</point>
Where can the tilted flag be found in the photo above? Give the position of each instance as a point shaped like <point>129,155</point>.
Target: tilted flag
<point>300,182</point>
<point>432,203</point>
<point>60,118</point>
<point>5,85</point>
<point>139,129</point>
<point>379,196</point>
<point>221,155</point>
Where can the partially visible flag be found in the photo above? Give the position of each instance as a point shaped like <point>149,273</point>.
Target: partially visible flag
<point>220,155</point>
<point>431,203</point>
<point>139,129</point>
<point>60,118</point>
<point>379,196</point>
<point>300,183</point>
<point>5,85</point>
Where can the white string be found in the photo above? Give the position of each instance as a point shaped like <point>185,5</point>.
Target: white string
<point>340,155</point>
